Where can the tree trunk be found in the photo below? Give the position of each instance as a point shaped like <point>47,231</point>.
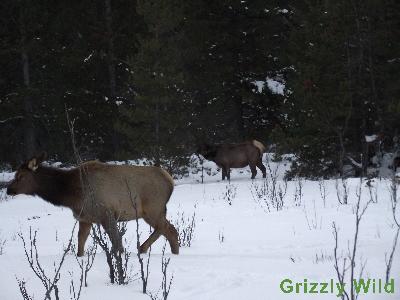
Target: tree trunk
<point>111,52</point>
<point>157,134</point>
<point>29,130</point>
<point>111,66</point>
<point>239,116</point>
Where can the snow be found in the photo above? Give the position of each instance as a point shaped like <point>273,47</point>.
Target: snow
<point>88,57</point>
<point>259,248</point>
<point>283,11</point>
<point>260,85</point>
<point>371,138</point>
<point>273,85</point>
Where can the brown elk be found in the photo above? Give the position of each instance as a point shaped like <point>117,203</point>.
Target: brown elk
<point>103,194</point>
<point>228,156</point>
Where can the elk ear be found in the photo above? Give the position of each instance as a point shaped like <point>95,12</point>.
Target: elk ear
<point>42,157</point>
<point>33,164</point>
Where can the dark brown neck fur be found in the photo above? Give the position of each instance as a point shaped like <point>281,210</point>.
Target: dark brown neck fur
<point>59,187</point>
<point>210,152</point>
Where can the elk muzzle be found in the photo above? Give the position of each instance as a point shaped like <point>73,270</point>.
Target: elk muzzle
<point>11,191</point>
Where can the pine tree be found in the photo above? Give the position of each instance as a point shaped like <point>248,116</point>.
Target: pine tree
<point>235,43</point>
<point>334,87</point>
<point>154,124</point>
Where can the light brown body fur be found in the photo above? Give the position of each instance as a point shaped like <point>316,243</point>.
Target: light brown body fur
<point>104,194</point>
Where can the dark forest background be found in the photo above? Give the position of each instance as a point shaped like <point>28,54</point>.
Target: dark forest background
<point>156,78</point>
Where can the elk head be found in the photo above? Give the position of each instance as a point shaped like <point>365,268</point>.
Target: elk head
<point>207,151</point>
<point>25,181</point>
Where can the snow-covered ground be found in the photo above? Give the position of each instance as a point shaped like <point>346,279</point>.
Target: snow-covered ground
<point>240,250</point>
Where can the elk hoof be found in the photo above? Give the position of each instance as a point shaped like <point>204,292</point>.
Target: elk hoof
<point>80,253</point>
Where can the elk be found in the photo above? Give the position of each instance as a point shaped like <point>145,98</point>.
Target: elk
<point>228,156</point>
<point>99,193</point>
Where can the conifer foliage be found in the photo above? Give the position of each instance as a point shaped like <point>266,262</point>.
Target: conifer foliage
<point>155,79</point>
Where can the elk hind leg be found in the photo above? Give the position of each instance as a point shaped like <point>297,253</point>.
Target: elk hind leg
<point>262,168</point>
<point>162,227</point>
<point>151,239</point>
<point>170,232</point>
<point>153,222</point>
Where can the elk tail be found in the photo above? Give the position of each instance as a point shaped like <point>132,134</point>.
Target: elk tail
<point>260,146</point>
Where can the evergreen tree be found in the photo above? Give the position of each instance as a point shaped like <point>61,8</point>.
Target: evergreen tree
<point>333,104</point>
<point>236,43</point>
<point>154,124</point>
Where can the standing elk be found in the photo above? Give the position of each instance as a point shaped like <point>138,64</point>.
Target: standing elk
<point>103,194</point>
<point>228,156</point>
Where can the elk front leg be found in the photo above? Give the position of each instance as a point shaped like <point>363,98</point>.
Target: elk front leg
<point>83,233</point>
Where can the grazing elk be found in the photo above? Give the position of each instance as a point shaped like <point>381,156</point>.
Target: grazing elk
<point>103,194</point>
<point>228,156</point>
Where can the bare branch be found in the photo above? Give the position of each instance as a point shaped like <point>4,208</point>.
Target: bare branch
<point>32,256</point>
<point>22,289</point>
<point>390,260</point>
<point>322,190</point>
<point>166,287</point>
<point>394,202</point>
<point>86,265</point>
<point>340,272</point>
<point>11,119</point>
<point>144,270</point>
<point>165,284</point>
<point>352,253</point>
<point>185,227</point>
<point>117,259</point>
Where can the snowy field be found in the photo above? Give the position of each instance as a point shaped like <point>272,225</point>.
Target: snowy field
<point>245,240</point>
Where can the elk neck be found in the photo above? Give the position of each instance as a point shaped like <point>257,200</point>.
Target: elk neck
<point>59,187</point>
<point>211,153</point>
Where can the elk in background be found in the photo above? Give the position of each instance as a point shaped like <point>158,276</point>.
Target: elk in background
<point>228,156</point>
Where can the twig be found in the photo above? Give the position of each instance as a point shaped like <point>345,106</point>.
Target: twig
<point>394,202</point>
<point>11,119</point>
<point>339,272</point>
<point>32,256</point>
<point>390,260</point>
<point>144,271</point>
